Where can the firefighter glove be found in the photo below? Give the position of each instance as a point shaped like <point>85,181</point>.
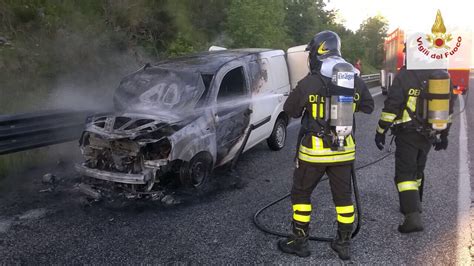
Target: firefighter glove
<point>380,140</point>
<point>442,142</point>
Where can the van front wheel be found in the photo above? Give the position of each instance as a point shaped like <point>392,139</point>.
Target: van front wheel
<point>277,139</point>
<point>195,174</point>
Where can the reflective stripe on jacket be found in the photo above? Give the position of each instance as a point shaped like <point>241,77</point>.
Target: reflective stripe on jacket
<point>317,153</point>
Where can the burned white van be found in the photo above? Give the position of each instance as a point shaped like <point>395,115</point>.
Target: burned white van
<point>187,116</point>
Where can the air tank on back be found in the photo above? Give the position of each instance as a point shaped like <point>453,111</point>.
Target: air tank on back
<point>438,106</point>
<point>342,100</point>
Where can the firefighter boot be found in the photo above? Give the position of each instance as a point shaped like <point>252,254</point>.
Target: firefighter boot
<point>342,243</point>
<point>411,224</point>
<point>297,243</point>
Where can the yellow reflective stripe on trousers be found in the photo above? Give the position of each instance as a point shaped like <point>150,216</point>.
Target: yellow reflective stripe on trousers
<point>345,220</point>
<point>327,159</point>
<point>380,130</point>
<point>345,209</point>
<point>418,182</point>
<point>407,185</point>
<point>387,117</point>
<point>301,218</point>
<point>321,110</point>
<point>302,207</point>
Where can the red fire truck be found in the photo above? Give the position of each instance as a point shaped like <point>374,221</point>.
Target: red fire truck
<point>395,59</point>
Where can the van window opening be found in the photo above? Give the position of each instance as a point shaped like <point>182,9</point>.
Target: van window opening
<point>232,85</point>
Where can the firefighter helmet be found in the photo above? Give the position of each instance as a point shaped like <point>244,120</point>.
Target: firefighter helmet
<point>323,45</point>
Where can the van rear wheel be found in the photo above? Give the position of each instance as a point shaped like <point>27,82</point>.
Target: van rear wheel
<point>277,139</point>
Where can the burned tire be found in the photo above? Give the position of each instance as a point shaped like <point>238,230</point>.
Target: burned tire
<point>195,173</point>
<point>277,139</point>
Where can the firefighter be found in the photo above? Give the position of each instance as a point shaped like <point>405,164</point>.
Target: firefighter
<point>321,149</point>
<point>406,113</point>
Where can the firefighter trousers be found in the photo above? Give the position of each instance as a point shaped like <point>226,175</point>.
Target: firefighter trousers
<point>305,179</point>
<point>410,159</point>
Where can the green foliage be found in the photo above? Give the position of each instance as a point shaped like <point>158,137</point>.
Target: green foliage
<point>255,23</point>
<point>300,20</point>
<point>180,46</point>
<point>86,46</point>
<point>371,35</point>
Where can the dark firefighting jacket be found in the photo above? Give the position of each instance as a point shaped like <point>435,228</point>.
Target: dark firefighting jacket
<point>404,107</point>
<point>309,100</point>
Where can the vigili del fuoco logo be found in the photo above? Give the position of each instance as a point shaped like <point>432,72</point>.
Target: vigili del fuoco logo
<point>441,44</point>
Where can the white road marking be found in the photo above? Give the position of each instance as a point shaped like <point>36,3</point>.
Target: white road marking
<point>377,94</point>
<point>464,195</point>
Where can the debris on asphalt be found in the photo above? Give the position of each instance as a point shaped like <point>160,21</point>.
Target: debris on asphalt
<point>33,214</point>
<point>5,225</point>
<point>49,178</point>
<point>46,190</point>
<point>89,191</point>
<point>169,200</point>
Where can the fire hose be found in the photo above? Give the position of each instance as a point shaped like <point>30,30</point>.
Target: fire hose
<point>265,229</point>
<point>318,238</point>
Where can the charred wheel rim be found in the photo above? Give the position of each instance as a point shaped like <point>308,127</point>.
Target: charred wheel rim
<point>198,173</point>
<point>280,135</point>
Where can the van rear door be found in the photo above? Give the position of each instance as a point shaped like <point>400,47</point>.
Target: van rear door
<point>298,66</point>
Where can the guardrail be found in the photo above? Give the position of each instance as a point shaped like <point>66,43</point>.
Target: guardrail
<point>27,131</point>
<point>371,78</point>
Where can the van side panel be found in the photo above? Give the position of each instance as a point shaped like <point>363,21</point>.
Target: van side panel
<point>267,101</point>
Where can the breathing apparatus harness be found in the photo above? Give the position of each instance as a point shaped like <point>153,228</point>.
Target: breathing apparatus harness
<point>333,129</point>
<point>434,98</point>
<point>338,101</point>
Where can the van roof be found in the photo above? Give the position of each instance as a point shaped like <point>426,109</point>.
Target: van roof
<point>208,62</point>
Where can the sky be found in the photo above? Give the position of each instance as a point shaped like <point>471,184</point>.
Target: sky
<point>409,15</point>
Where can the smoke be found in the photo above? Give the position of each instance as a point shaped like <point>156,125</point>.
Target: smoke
<point>92,72</point>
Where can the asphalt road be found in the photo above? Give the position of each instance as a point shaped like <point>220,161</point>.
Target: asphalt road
<point>216,228</point>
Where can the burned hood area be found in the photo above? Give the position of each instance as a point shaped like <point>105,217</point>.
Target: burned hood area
<point>177,119</point>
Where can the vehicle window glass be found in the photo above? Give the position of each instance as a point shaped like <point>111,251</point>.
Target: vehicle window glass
<point>232,85</point>
<point>279,71</point>
<point>158,89</point>
<point>260,76</point>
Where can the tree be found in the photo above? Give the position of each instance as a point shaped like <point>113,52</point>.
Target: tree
<point>305,18</point>
<point>256,23</point>
<point>371,34</point>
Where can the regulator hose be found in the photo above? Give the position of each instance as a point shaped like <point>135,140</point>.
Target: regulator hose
<point>318,238</point>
